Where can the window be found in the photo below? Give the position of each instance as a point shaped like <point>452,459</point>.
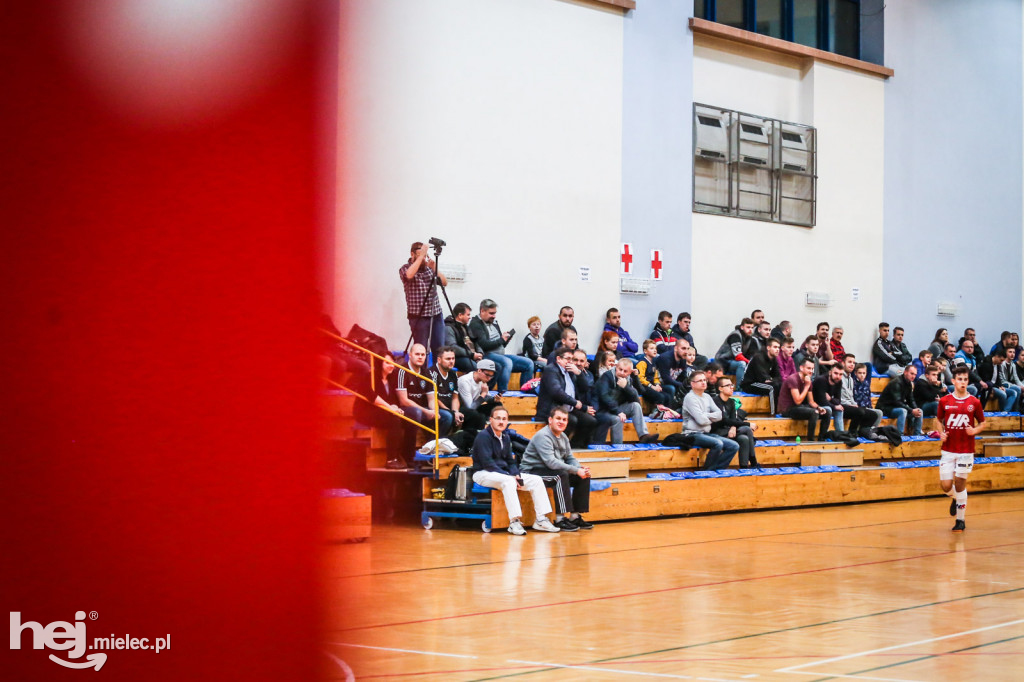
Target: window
<point>753,167</point>
<point>831,25</point>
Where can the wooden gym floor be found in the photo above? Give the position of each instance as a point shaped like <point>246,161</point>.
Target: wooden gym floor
<point>879,591</point>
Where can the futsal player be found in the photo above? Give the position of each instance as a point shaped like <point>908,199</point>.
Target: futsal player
<point>960,417</point>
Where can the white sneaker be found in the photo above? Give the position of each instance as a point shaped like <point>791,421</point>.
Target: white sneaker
<point>516,528</point>
<point>545,525</point>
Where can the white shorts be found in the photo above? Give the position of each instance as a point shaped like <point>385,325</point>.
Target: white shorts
<point>958,464</point>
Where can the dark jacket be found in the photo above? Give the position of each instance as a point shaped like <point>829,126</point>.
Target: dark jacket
<point>989,372</point>
<point>552,391</point>
<point>777,333</point>
<point>530,349</point>
<point>902,353</point>
<point>672,371</point>
<point>610,395</point>
<point>925,392</point>
<point>897,393</point>
<point>882,355</point>
<point>552,335</point>
<point>586,393</point>
<point>732,415</point>
<point>680,334</point>
<point>762,370</point>
<point>456,335</point>
<point>482,339</point>
<point>825,392</point>
<point>490,454</point>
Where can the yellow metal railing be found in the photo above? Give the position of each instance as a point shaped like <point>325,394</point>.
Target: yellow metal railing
<point>373,387</point>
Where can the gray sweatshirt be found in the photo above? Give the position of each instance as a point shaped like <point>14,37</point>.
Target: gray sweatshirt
<point>699,412</point>
<point>547,451</point>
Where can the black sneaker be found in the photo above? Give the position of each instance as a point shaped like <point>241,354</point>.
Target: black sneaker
<point>649,438</point>
<point>952,507</point>
<point>959,526</point>
<point>582,523</point>
<point>566,525</point>
<point>395,464</point>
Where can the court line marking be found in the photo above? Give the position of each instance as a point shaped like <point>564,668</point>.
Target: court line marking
<point>925,657</point>
<point>403,651</point>
<point>641,673</point>
<point>349,675</point>
<point>768,633</point>
<point>859,654</point>
<point>677,544</point>
<point>677,588</point>
<point>856,677</point>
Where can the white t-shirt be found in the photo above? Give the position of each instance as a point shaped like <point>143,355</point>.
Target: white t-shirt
<point>469,390</point>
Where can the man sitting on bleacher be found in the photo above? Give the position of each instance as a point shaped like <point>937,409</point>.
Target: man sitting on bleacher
<point>928,390</point>
<point>827,391</point>
<point>613,323</point>
<point>443,374</point>
<point>883,355</point>
<point>495,467</point>
<point>412,392</point>
<point>558,386</point>
<point>797,402</point>
<point>897,401</point>
<point>737,349</point>
<point>662,332</point>
<point>672,367</point>
<point>456,335</point>
<point>554,332</point>
<point>489,339</point>
<point>862,416</point>
<point>617,397</point>
<point>474,395</point>
<point>549,455</point>
<point>568,340</point>
<point>699,413</point>
<point>762,376</point>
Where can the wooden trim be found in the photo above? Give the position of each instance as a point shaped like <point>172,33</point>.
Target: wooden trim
<point>622,4</point>
<point>736,35</point>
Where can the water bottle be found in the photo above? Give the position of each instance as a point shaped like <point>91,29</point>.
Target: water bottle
<point>798,440</point>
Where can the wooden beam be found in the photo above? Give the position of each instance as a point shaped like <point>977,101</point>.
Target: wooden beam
<point>756,40</point>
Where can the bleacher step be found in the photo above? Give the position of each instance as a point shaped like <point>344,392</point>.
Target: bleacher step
<point>853,457</point>
<point>606,467</point>
<point>646,498</point>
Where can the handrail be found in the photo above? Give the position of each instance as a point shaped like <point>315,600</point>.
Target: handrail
<point>436,431</point>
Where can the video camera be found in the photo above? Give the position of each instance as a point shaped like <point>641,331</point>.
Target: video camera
<point>438,244</point>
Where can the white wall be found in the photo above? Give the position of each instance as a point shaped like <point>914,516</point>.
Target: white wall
<point>739,265</point>
<point>495,125</point>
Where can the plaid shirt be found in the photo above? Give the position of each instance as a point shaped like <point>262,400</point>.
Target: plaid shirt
<point>416,290</point>
<point>838,352</point>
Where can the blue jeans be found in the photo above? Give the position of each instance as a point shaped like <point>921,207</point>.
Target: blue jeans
<point>428,330</point>
<point>900,414</point>
<point>737,369</point>
<point>930,409</point>
<point>1012,397</point>
<point>506,364</point>
<point>720,450</point>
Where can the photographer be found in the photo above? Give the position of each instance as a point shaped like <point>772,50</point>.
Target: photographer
<point>488,338</point>
<point>422,306</point>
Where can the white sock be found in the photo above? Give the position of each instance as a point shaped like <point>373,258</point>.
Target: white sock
<point>576,516</point>
<point>961,505</point>
<point>559,517</point>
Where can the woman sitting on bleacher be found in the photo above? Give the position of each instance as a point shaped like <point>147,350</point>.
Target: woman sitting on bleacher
<point>382,412</point>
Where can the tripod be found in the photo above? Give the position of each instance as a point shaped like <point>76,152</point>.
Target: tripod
<point>432,291</point>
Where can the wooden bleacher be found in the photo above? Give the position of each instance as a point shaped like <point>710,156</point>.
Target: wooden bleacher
<point>866,476</point>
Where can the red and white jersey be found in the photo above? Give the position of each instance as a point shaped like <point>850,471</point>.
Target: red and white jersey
<point>956,414</point>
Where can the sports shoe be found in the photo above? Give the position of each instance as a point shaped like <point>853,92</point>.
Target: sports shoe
<point>934,434</point>
<point>566,525</point>
<point>952,507</point>
<point>395,463</point>
<point>649,438</point>
<point>516,528</point>
<point>582,523</point>
<point>542,523</point>
<point>959,526</point>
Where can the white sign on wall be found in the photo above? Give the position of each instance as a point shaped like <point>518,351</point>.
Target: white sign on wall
<point>584,273</point>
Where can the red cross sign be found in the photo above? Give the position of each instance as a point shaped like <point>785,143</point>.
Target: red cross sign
<point>626,259</point>
<point>656,264</point>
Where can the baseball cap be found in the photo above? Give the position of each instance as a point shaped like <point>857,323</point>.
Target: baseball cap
<point>485,365</point>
